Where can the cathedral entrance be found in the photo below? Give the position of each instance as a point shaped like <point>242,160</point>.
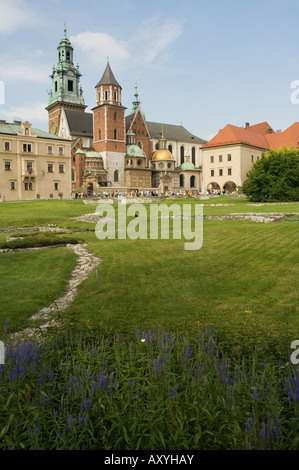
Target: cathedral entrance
<point>90,189</point>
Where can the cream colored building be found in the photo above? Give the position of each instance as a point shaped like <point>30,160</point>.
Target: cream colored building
<point>33,164</point>
<point>227,158</point>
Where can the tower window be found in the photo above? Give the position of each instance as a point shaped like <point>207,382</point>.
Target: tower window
<point>115,96</point>
<point>100,135</point>
<point>193,155</point>
<point>115,116</point>
<point>106,95</point>
<point>56,88</point>
<point>182,154</point>
<point>70,85</point>
<point>116,176</point>
<point>68,56</point>
<point>115,134</point>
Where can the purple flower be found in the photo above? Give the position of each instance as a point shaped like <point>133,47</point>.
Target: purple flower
<point>276,428</point>
<point>289,388</point>
<point>296,391</point>
<point>70,422</point>
<point>249,425</point>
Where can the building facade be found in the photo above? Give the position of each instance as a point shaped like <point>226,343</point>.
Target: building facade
<point>33,164</point>
<point>231,154</point>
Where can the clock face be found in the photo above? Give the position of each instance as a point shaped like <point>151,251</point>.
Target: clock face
<point>54,128</point>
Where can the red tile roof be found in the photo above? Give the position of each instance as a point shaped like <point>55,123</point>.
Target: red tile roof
<point>231,135</point>
<point>260,135</point>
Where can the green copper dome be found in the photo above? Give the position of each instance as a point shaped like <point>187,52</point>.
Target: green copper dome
<point>187,166</point>
<point>134,150</point>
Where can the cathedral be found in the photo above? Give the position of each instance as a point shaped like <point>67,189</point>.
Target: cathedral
<point>116,150</point>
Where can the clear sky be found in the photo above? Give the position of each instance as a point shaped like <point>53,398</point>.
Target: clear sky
<point>202,64</point>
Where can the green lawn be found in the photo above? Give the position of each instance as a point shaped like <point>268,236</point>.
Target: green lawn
<point>31,281</point>
<point>243,282</point>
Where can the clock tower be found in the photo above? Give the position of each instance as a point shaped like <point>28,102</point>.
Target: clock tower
<point>66,91</point>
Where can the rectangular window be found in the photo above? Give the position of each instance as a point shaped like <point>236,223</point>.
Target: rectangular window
<point>50,149</point>
<point>56,88</point>
<point>211,159</point>
<point>7,146</point>
<point>229,157</point>
<point>70,85</point>
<point>28,186</point>
<point>7,166</point>
<point>26,147</point>
<point>212,172</point>
<point>12,185</point>
<point>61,168</point>
<point>252,158</point>
<point>56,186</point>
<point>220,158</point>
<point>229,171</point>
<point>29,166</point>
<point>50,167</point>
<point>60,150</point>
<point>220,172</point>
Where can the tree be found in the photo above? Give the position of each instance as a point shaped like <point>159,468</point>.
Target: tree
<point>275,177</point>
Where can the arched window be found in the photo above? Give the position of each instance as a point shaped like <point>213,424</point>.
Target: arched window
<point>193,155</point>
<point>116,176</point>
<point>115,134</point>
<point>192,181</point>
<point>170,148</point>
<point>182,154</point>
<point>115,116</point>
<point>182,181</point>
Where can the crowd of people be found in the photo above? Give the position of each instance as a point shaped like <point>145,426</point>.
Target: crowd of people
<point>136,193</point>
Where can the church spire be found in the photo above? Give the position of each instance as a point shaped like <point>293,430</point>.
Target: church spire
<point>136,102</point>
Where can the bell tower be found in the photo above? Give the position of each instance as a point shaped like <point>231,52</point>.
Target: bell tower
<point>66,90</point>
<point>109,136</point>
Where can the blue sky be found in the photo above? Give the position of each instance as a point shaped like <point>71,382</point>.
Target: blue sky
<point>200,64</point>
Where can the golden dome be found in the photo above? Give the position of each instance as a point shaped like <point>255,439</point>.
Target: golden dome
<point>162,155</point>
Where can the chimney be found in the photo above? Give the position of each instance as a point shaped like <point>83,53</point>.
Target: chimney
<point>247,125</point>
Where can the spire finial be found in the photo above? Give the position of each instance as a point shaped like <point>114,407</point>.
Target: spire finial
<point>65,30</point>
